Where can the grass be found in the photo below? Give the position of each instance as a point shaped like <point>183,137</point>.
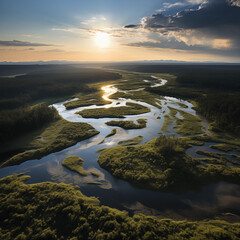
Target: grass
<point>220,158</point>
<point>236,156</point>
<point>189,125</point>
<point>57,136</point>
<point>87,100</point>
<point>113,132</point>
<point>75,163</point>
<point>101,141</point>
<point>162,164</point>
<point>223,147</point>
<point>167,121</point>
<point>94,174</point>
<point>182,105</point>
<point>128,124</point>
<point>116,112</point>
<point>143,96</point>
<point>94,183</point>
<point>222,138</point>
<point>132,141</point>
<point>193,140</point>
<point>59,211</point>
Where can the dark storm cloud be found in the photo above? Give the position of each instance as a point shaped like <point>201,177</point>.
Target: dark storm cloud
<point>210,14</point>
<point>214,19</point>
<point>16,43</point>
<point>132,26</point>
<point>219,18</point>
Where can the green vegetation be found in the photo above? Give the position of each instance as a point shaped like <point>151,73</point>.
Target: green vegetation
<point>87,100</point>
<point>189,125</point>
<point>236,156</point>
<point>94,174</point>
<point>162,164</point>
<point>167,121</point>
<point>101,141</point>
<point>132,141</point>
<point>60,212</point>
<point>193,140</point>
<point>218,138</point>
<point>75,163</point>
<point>95,183</point>
<point>223,147</point>
<point>217,158</point>
<point>182,105</point>
<point>128,124</point>
<point>59,135</point>
<point>113,132</point>
<point>143,96</point>
<point>116,112</point>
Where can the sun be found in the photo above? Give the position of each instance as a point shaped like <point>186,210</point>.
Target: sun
<point>102,39</point>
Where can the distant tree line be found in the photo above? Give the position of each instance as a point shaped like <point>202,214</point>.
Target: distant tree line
<point>211,80</point>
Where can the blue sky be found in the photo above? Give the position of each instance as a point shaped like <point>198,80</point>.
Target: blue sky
<point>158,29</point>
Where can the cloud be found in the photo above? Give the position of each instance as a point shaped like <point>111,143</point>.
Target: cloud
<point>56,50</point>
<point>210,14</point>
<point>167,6</point>
<point>212,26</point>
<point>216,48</point>
<point>17,43</point>
<point>235,2</point>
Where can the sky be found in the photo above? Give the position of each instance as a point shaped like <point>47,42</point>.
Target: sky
<point>126,30</point>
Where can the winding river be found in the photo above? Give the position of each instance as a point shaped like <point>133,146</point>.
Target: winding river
<point>205,202</point>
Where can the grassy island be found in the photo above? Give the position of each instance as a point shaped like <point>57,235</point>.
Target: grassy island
<point>142,123</point>
<point>162,164</point>
<point>75,163</point>
<point>116,112</point>
<point>113,132</point>
<point>59,211</point>
<point>132,141</point>
<point>87,100</point>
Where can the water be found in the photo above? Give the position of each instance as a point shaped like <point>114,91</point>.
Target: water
<point>201,203</point>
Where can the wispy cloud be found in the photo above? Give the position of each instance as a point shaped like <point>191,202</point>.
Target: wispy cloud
<point>94,20</point>
<point>17,43</point>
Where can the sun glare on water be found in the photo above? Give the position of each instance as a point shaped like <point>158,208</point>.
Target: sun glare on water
<point>102,39</point>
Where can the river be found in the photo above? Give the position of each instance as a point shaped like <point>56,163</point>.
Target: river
<point>205,202</point>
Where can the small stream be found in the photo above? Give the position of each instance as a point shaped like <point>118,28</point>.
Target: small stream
<point>205,202</point>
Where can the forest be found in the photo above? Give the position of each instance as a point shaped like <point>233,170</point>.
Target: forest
<point>25,119</point>
<point>223,109</point>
